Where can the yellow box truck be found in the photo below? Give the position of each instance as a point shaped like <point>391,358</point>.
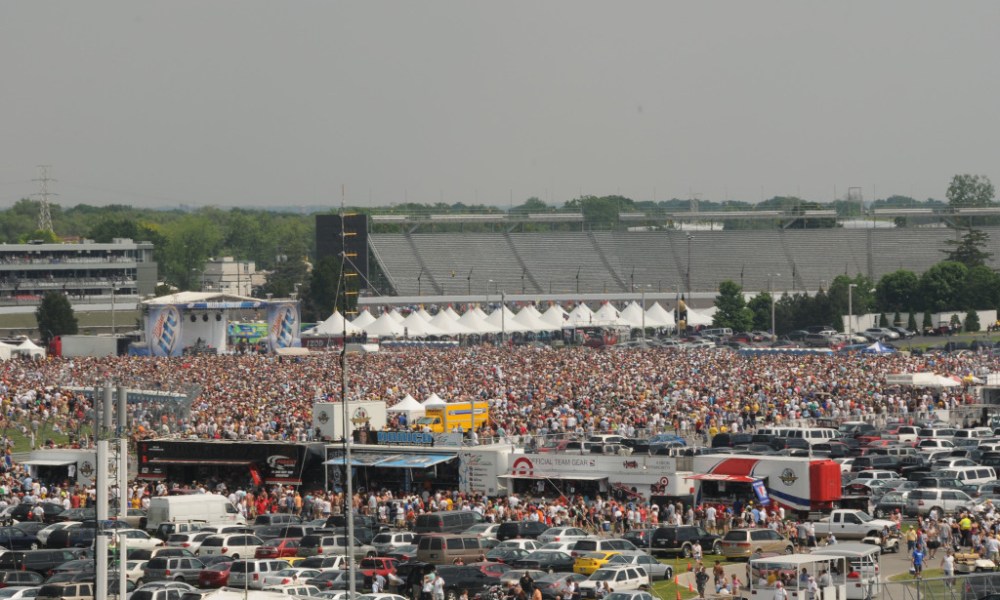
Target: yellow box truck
<point>451,417</point>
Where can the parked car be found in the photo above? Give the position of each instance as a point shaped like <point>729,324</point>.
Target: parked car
<point>616,578</point>
<point>922,501</point>
<point>680,539</point>
<point>172,569</point>
<point>214,576</point>
<point>278,548</point>
<point>388,541</point>
<point>546,560</point>
<point>655,568</point>
<point>237,545</point>
<point>562,534</point>
<point>521,529</point>
<point>741,543</point>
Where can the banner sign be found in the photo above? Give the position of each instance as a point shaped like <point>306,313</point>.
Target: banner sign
<point>164,332</point>
<point>248,332</point>
<point>283,325</point>
<point>761,491</point>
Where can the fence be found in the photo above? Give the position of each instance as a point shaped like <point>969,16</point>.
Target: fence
<point>975,586</point>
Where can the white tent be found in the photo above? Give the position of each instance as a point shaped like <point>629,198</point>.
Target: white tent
<point>532,320</point>
<point>29,348</point>
<point>503,319</point>
<point>697,319</point>
<point>479,312</point>
<point>384,326</point>
<point>333,325</point>
<point>476,324</point>
<point>450,312</point>
<point>608,314</point>
<point>396,315</point>
<point>580,315</point>
<point>632,314</point>
<point>416,326</point>
<point>433,401</point>
<point>365,318</point>
<point>448,326</point>
<point>423,313</point>
<point>657,316</point>
<point>5,350</point>
<point>408,406</point>
<point>555,316</point>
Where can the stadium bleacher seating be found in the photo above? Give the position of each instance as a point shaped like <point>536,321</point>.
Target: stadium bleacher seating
<point>606,260</point>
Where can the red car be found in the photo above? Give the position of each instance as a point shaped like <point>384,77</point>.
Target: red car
<point>214,576</point>
<point>277,548</point>
<point>377,565</point>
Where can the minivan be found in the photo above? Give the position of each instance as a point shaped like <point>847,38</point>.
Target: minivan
<point>66,591</point>
<point>454,521</point>
<point>172,568</point>
<point>444,549</point>
<point>922,501</point>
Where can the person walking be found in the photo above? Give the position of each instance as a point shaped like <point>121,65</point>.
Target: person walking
<point>700,581</point>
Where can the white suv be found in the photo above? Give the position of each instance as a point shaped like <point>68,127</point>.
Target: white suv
<point>250,574</point>
<point>236,545</point>
<point>617,578</point>
<point>943,500</point>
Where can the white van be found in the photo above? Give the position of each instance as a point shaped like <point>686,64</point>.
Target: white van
<point>815,435</point>
<point>970,475</point>
<point>195,508</point>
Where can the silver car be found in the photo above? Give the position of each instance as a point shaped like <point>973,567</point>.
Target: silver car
<point>943,500</point>
<point>172,568</point>
<point>654,567</point>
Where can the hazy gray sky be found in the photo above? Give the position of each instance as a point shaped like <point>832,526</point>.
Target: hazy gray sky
<point>265,103</point>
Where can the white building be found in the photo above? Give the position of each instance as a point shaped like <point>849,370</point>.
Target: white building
<point>227,275</point>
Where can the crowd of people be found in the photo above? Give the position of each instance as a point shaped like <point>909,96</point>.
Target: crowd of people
<point>533,391</point>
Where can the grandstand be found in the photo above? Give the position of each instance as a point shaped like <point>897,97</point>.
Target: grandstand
<point>561,262</point>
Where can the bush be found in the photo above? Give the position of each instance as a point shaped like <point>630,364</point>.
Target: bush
<point>911,323</point>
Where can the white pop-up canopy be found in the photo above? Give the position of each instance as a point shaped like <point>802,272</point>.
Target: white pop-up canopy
<point>417,326</point>
<point>581,315</point>
<point>476,324</point>
<point>608,314</point>
<point>555,316</point>
<point>632,314</point>
<point>503,319</point>
<point>433,401</point>
<point>657,316</point>
<point>448,326</point>
<point>29,348</point>
<point>531,318</point>
<point>409,407</point>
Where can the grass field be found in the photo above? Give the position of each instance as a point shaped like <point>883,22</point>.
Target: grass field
<point>89,322</point>
<point>668,590</point>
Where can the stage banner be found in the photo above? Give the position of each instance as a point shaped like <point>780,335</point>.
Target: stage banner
<point>283,325</point>
<point>163,330</point>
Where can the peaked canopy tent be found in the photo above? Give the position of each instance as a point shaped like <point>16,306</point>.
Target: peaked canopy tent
<point>659,316</point>
<point>409,407</point>
<point>333,325</point>
<point>555,316</point>
<point>504,320</point>
<point>475,323</point>
<point>27,348</point>
<point>433,401</point>
<point>365,318</point>
<point>384,326</point>
<point>609,314</point>
<point>415,326</point>
<point>532,320</point>
<point>448,326</point>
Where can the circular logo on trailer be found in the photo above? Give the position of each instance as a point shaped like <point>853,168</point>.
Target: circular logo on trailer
<point>165,332</point>
<point>522,467</point>
<point>323,417</point>
<point>360,417</point>
<point>788,477</point>
<point>283,325</point>
<point>86,469</point>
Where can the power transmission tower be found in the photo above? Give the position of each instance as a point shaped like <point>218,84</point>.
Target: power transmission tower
<point>44,216</point>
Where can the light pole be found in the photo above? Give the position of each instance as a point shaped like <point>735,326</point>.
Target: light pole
<point>690,237</point>
<point>113,328</point>
<point>503,316</point>
<point>770,287</point>
<point>850,309</point>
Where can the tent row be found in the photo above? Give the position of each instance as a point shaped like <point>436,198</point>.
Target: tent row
<point>476,322</point>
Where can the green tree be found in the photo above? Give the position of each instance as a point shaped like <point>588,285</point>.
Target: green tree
<point>731,308</point>
<point>54,316</point>
<point>982,289</point>
<point>897,320</point>
<point>970,250</point>
<point>927,323</point>
<point>970,191</point>
<point>110,228</point>
<point>882,321</point>
<point>326,290</point>
<point>941,286</point>
<point>48,237</point>
<point>911,322</point>
<point>281,282</point>
<point>897,290</point>
<point>760,306</point>
<point>191,240</point>
<point>972,321</point>
<point>861,296</point>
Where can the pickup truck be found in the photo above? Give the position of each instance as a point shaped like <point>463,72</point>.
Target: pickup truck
<point>851,524</point>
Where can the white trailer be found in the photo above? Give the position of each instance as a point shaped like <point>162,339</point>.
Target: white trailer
<point>327,418</point>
